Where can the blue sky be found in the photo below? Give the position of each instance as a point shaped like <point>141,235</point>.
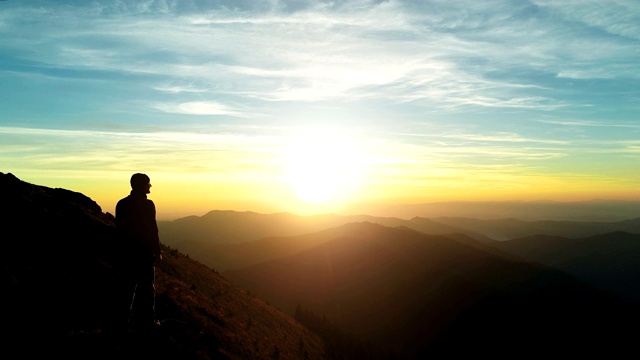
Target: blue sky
<point>252,104</point>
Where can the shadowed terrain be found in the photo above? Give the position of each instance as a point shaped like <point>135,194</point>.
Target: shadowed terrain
<point>423,295</point>
<point>608,261</point>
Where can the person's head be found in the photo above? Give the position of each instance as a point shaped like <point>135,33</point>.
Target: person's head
<point>141,182</point>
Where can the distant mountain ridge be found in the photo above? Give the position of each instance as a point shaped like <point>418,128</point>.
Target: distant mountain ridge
<point>592,210</point>
<point>506,229</point>
<point>218,238</point>
<point>230,227</point>
<point>223,239</point>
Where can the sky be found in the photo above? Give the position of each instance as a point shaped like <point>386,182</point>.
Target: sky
<point>314,106</point>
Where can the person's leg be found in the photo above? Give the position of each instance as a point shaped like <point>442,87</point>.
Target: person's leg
<point>123,301</point>
<point>145,296</point>
<point>127,295</point>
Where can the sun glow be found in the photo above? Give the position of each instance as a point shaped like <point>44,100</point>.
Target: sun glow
<point>324,167</point>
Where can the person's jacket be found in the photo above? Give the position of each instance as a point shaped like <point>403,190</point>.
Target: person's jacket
<point>137,227</point>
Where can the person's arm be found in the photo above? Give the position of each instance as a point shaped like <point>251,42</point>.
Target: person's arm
<point>156,235</point>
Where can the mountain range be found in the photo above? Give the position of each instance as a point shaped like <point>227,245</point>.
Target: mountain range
<point>243,285</point>
<point>230,239</point>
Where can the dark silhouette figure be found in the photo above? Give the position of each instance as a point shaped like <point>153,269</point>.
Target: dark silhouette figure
<point>139,247</point>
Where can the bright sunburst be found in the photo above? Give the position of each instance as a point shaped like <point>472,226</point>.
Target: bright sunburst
<point>323,166</point>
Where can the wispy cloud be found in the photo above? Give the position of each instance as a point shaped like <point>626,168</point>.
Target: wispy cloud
<point>591,123</point>
<point>227,156</point>
<point>344,51</point>
<point>620,17</point>
<point>176,89</point>
<point>503,137</point>
<point>197,108</point>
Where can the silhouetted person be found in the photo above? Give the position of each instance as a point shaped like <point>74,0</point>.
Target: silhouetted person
<point>139,246</point>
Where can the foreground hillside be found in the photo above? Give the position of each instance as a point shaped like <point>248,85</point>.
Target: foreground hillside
<point>420,295</point>
<point>59,286</point>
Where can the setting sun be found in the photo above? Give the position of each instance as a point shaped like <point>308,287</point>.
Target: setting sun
<point>323,167</point>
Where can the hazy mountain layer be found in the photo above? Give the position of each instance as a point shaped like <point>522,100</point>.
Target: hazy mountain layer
<point>432,295</point>
<point>233,227</point>
<point>229,239</point>
<point>594,210</point>
<point>506,229</point>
